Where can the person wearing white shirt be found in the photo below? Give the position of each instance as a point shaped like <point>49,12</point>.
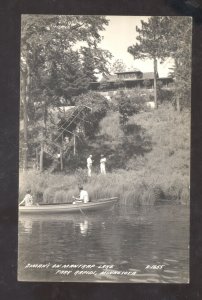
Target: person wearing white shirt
<point>89,165</point>
<point>83,196</point>
<point>28,200</point>
<point>102,164</point>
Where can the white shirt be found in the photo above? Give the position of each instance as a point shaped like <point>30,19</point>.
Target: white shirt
<point>84,196</point>
<point>89,161</point>
<point>103,161</point>
<point>28,200</point>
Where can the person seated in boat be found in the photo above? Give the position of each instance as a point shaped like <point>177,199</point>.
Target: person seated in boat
<point>83,196</point>
<point>28,200</point>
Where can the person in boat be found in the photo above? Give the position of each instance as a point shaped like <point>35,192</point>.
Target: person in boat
<point>102,164</point>
<point>28,199</point>
<point>83,196</point>
<point>89,165</point>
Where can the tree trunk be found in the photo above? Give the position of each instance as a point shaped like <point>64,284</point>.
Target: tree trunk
<point>178,106</point>
<point>41,158</point>
<point>45,119</point>
<point>37,160</point>
<point>61,153</point>
<point>25,118</point>
<point>74,144</point>
<point>155,84</point>
<point>61,159</point>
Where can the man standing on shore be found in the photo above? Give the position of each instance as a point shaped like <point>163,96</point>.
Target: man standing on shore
<point>89,165</point>
<point>102,164</point>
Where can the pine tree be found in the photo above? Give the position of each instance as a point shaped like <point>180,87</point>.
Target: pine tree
<point>150,44</point>
<point>178,43</point>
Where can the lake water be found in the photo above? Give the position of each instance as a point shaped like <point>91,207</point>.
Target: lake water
<point>139,244</point>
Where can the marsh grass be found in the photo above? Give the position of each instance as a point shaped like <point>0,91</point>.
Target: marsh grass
<point>131,187</point>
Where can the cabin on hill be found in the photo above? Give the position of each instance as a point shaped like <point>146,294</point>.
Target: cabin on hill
<point>129,79</point>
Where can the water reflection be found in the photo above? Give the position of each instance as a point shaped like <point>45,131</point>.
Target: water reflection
<point>84,227</point>
<point>27,225</point>
<point>128,238</point>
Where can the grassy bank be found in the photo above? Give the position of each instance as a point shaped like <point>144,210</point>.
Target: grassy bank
<point>129,186</point>
<point>161,173</point>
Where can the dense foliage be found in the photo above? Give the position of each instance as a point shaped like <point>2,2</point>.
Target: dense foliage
<point>128,104</point>
<point>60,56</point>
<point>178,43</point>
<point>163,37</point>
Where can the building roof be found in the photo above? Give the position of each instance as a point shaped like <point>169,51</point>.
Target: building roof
<point>148,75</point>
<point>115,78</point>
<point>129,72</point>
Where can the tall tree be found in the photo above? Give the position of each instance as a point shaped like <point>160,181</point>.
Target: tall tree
<point>178,44</point>
<point>150,44</point>
<point>89,67</point>
<point>51,68</point>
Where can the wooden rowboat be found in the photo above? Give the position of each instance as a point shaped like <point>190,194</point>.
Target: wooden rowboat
<point>69,208</point>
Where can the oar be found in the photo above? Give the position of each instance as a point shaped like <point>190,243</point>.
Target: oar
<point>82,211</point>
<point>79,207</point>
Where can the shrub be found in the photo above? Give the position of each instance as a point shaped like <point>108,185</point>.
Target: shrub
<point>129,103</point>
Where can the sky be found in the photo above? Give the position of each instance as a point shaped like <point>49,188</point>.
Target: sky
<point>119,35</point>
